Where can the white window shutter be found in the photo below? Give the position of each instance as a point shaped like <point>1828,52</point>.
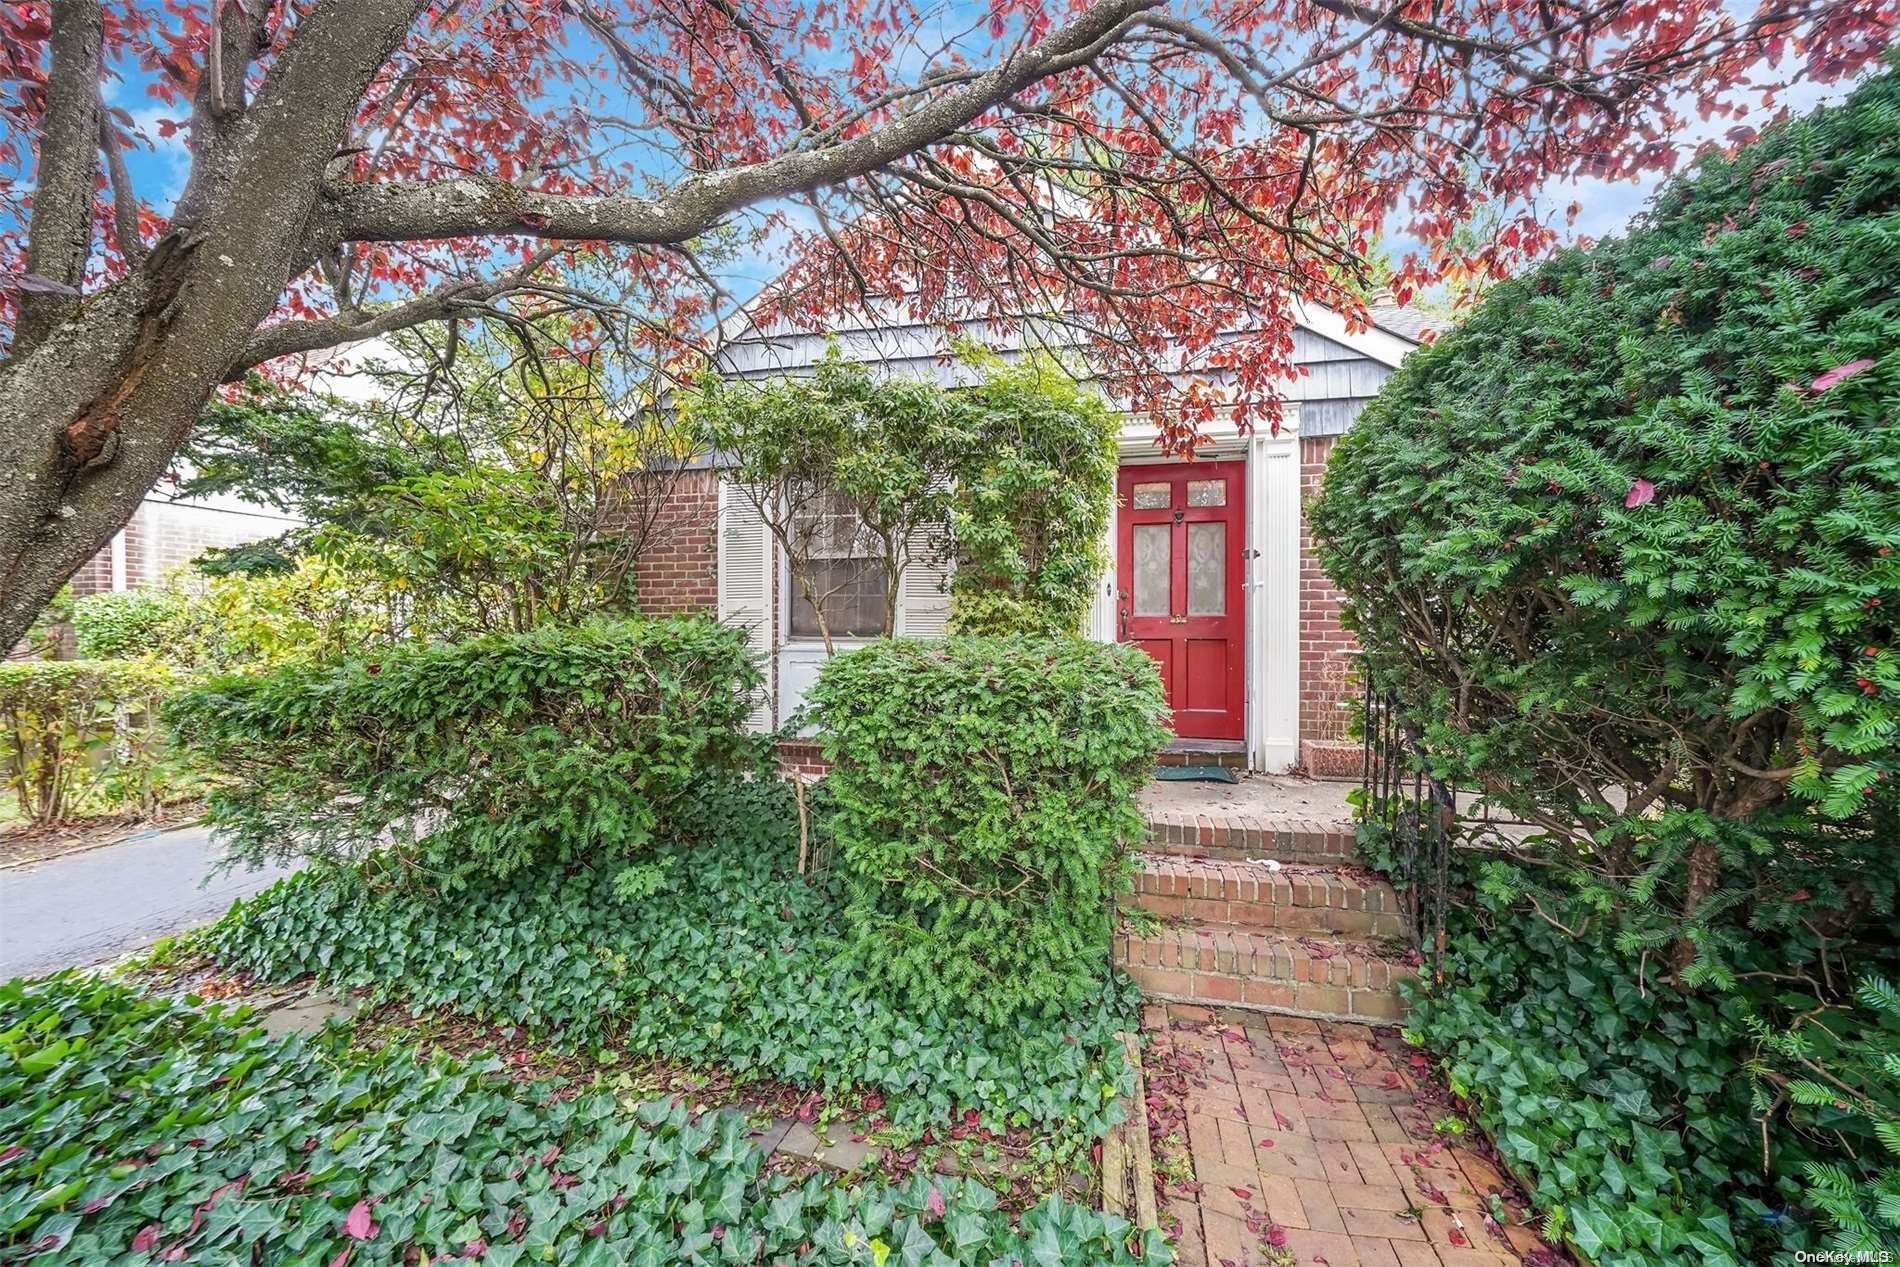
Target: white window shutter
<point>745,586</point>
<point>923,592</point>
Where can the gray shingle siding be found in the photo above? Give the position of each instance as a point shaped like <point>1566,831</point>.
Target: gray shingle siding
<point>1337,382</point>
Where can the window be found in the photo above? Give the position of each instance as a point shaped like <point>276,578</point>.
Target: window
<point>844,571</point>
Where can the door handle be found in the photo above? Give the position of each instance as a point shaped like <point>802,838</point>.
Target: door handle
<point>1124,614</point>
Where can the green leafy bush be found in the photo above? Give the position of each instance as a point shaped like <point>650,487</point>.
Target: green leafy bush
<point>308,611</point>
<point>983,809</point>
<point>731,963</point>
<point>1033,485</point>
<point>84,735</point>
<point>1627,541</point>
<point>125,626</point>
<point>138,1130</point>
<point>1657,1127</point>
<point>564,744</point>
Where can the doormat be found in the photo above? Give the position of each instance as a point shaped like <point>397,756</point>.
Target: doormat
<point>1195,774</point>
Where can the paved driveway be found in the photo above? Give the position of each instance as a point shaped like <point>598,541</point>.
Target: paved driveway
<point>86,908</point>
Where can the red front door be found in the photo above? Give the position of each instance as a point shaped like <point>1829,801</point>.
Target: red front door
<point>1179,546</point>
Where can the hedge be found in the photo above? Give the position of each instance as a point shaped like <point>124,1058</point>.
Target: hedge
<point>563,744</point>
<point>1627,541</point>
<point>124,626</point>
<point>983,809</point>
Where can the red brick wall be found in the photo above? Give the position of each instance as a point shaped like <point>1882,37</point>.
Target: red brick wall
<point>176,536</point>
<point>679,569</point>
<point>1326,696</point>
<point>802,756</point>
<point>94,575</point>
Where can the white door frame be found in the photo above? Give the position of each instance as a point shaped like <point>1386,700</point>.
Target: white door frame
<point>1271,583</point>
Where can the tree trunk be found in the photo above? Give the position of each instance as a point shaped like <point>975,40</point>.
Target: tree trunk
<point>92,411</point>
<point>1743,800</point>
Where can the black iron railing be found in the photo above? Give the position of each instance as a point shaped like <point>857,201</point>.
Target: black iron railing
<point>1413,818</point>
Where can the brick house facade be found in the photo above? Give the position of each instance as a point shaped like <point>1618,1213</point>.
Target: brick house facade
<point>1327,693</point>
<point>1299,697</point>
<point>678,571</point>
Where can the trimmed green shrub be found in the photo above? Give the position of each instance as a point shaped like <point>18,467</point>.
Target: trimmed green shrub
<point>983,810</point>
<point>83,735</point>
<point>142,1130</point>
<point>125,626</point>
<point>1627,541</point>
<point>730,963</point>
<point>563,744</point>
<point>1033,484</point>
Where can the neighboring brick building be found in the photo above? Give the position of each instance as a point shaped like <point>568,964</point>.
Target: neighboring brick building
<point>164,536</point>
<point>1237,610</point>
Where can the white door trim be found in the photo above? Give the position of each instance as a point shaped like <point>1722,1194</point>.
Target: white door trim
<point>1273,603</point>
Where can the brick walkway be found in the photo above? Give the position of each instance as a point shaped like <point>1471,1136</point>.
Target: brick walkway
<point>1286,1142</point>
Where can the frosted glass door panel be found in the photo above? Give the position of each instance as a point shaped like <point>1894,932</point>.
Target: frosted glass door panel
<point>1152,568</point>
<point>1207,569</point>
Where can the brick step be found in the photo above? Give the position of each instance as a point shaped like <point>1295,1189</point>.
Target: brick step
<point>1237,967</point>
<point>1293,899</point>
<point>1239,837</point>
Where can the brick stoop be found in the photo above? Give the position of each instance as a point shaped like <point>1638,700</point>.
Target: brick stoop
<point>1297,900</point>
<point>1238,837</point>
<point>1239,967</point>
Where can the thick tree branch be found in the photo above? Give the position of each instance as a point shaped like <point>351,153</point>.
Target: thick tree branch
<point>59,237</point>
<point>403,211</point>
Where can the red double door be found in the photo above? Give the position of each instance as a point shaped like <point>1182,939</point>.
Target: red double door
<point>1181,543</point>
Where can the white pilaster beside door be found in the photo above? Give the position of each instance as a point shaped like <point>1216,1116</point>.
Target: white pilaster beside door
<point>1273,602</point>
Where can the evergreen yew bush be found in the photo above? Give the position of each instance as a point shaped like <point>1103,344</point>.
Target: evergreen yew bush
<point>983,810</point>
<point>1625,546</point>
<point>1627,541</point>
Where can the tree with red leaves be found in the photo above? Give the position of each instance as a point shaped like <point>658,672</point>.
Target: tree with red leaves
<point>1167,181</point>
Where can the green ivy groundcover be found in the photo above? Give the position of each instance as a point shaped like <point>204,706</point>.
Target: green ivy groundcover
<point>135,1129</point>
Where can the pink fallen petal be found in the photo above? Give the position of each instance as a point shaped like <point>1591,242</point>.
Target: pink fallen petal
<point>1840,374</point>
<point>359,1226</point>
<point>1641,493</point>
<point>147,1239</point>
<point>934,1202</point>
